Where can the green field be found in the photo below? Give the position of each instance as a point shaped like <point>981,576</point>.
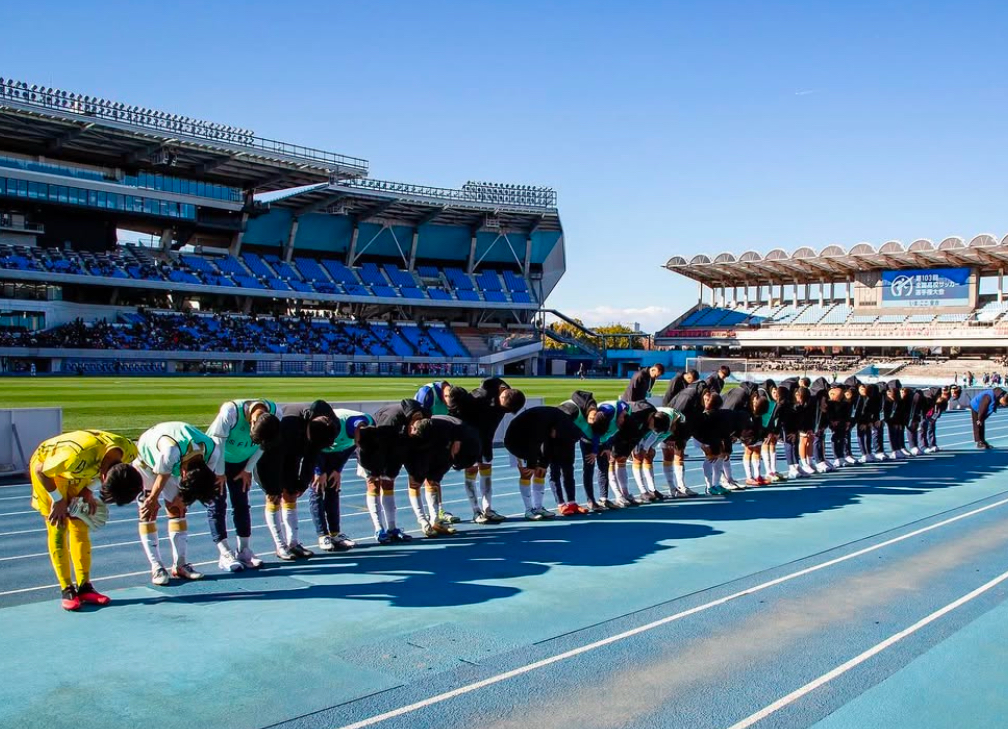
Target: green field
<point>130,405</point>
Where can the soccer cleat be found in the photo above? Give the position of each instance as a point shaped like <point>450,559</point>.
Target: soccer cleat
<point>185,572</point>
<point>837,463</point>
<point>533,515</point>
<point>880,456</point>
<point>863,459</point>
<point>774,477</point>
<point>382,537</point>
<point>806,469</point>
<point>821,467</point>
<point>494,517</point>
<point>751,482</point>
<point>762,481</point>
<point>283,553</point>
<point>545,513</point>
<point>580,510</point>
<point>895,456</point>
<point>567,510</point>
<point>399,536</point>
<point>444,527</point>
<point>850,460</point>
<point>930,449</point>
<point>657,496</point>
<point>343,542</point>
<point>935,449</point>
<point>792,471</point>
<point>325,543</point>
<point>70,600</point>
<point>299,550</point>
<point>159,576</point>
<point>481,518</point>
<point>248,559</point>
<point>631,501</point>
<point>608,504</point>
<point>984,445</point>
<point>447,516</point>
<point>429,530</point>
<point>87,594</point>
<point>596,507</point>
<point>227,562</point>
<point>915,451</point>
<point>904,451</point>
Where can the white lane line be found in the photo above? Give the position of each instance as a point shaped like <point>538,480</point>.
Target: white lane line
<point>861,658</point>
<point>475,686</point>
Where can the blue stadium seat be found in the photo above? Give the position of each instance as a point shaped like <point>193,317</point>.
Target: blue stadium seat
<point>339,272</point>
<point>495,296</point>
<point>398,277</point>
<point>521,297</point>
<point>411,292</point>
<point>459,279</point>
<point>371,274</point>
<point>514,282</point>
<point>428,272</point>
<point>467,295</point>
<point>257,265</point>
<point>310,269</point>
<point>489,281</point>
<point>438,294</point>
<point>384,290</point>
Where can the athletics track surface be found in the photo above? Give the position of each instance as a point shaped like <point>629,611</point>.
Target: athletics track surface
<point>868,598</point>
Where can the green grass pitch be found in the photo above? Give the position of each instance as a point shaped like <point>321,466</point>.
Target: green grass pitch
<point>129,406</point>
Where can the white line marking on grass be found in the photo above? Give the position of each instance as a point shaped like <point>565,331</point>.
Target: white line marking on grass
<point>475,686</point>
<point>861,658</point>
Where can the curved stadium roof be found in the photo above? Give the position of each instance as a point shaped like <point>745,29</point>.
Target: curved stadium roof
<point>984,252</point>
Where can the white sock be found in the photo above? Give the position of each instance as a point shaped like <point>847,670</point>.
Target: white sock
<point>538,491</point>
<point>470,489</point>
<point>374,512</point>
<point>679,469</point>
<point>765,453</point>
<point>179,536</point>
<point>418,507</point>
<point>638,477</point>
<point>433,500</point>
<point>746,466</point>
<point>670,475</point>
<point>622,480</point>
<point>708,472</point>
<point>245,544</point>
<point>223,547</point>
<point>273,524</point>
<point>717,470</point>
<point>647,470</point>
<point>726,468</point>
<point>389,508</point>
<point>525,489</point>
<point>755,461</point>
<point>486,487</point>
<point>290,522</point>
<point>149,540</point>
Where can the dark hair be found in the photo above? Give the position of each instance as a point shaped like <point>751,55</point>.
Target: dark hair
<point>724,370</point>
<point>662,422</point>
<point>321,431</point>
<point>122,485</point>
<point>198,483</point>
<point>420,428</point>
<point>512,400</point>
<point>804,381</point>
<point>601,424</point>
<point>694,374</point>
<point>761,406</point>
<point>715,401</point>
<point>660,367</point>
<point>456,395</point>
<point>804,392</point>
<point>265,430</point>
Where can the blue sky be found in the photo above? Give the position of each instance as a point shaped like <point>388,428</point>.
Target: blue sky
<point>666,128</point>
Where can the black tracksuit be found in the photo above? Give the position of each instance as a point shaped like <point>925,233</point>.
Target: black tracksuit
<point>639,387</point>
<point>288,464</point>
<point>581,403</point>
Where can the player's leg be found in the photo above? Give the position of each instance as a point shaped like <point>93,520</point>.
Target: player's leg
<point>588,476</point>
<point>539,491</point>
<point>416,500</point>
<point>80,553</point>
<point>388,505</point>
<point>217,518</point>
<point>178,536</point>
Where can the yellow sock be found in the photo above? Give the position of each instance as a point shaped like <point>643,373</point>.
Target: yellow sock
<point>59,554</point>
<point>80,550</point>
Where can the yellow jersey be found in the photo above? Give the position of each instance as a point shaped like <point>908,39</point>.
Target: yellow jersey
<point>73,460</point>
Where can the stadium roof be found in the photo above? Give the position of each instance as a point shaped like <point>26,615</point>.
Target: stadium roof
<point>986,253</point>
<point>475,204</point>
<point>55,123</point>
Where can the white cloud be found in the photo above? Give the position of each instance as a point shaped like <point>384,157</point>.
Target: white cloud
<point>651,318</point>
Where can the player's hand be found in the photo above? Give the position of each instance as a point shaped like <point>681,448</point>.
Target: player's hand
<point>246,480</point>
<point>318,482</point>
<point>89,499</point>
<point>590,459</point>
<point>221,482</point>
<point>58,513</point>
<point>334,480</point>
<point>148,509</point>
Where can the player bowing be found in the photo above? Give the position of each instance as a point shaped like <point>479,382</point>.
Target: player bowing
<point>69,469</point>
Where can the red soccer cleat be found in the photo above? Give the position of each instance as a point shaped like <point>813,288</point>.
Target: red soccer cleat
<point>87,594</point>
<point>70,601</point>
<point>578,509</point>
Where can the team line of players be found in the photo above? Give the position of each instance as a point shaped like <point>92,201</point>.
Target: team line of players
<point>293,449</point>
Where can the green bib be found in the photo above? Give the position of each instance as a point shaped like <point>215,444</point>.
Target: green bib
<point>187,437</point>
<point>239,446</point>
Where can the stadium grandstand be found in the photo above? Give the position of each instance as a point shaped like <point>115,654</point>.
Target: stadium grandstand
<point>264,256</point>
<point>897,304</point>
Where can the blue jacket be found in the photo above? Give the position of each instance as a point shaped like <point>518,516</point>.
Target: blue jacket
<point>992,402</point>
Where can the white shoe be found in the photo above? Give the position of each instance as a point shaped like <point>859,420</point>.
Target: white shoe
<point>850,460</point>
<point>159,576</point>
<point>935,449</point>
<point>895,456</point>
<point>325,543</point>
<point>904,451</point>
<point>229,563</point>
<point>880,456</point>
<point>915,451</point>
<point>792,471</point>
<point>822,467</point>
<point>863,459</point>
<point>729,485</point>
<point>248,559</point>
<point>342,541</point>
<point>807,469</point>
<point>285,554</point>
<point>929,450</point>
<point>533,515</point>
<point>837,463</point>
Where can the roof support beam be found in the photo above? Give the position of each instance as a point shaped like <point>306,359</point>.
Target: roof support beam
<point>319,205</point>
<point>56,143</point>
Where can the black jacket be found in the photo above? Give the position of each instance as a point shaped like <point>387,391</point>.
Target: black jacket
<point>538,435</point>
<point>676,385</point>
<point>639,387</point>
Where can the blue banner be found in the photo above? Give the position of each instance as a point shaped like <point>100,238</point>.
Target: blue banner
<point>932,287</point>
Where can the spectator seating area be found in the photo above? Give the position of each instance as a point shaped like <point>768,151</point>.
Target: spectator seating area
<point>269,272</point>
<point>159,331</point>
<point>829,314</point>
